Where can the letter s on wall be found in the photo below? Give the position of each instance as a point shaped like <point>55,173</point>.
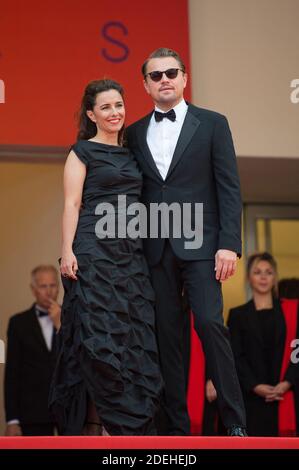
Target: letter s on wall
<point>106,33</point>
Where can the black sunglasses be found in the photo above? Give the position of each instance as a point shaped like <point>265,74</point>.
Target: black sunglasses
<point>156,76</point>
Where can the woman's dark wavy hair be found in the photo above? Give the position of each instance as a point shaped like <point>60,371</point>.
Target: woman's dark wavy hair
<point>87,128</point>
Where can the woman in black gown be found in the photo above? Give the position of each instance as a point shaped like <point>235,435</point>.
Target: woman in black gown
<point>107,379</point>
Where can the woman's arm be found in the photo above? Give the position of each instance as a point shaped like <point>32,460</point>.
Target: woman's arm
<point>74,177</point>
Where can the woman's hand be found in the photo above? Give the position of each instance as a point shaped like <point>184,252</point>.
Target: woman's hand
<point>279,390</point>
<point>264,390</point>
<point>69,265</point>
<point>271,393</point>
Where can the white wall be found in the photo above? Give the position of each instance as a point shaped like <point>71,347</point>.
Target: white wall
<point>244,56</point>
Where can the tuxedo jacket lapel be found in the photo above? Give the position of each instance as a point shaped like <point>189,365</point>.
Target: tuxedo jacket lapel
<point>144,146</point>
<point>189,128</point>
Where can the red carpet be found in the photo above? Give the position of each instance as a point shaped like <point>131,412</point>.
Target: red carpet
<point>157,442</point>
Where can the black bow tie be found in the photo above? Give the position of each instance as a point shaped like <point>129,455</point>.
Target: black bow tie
<point>169,115</point>
<point>41,313</point>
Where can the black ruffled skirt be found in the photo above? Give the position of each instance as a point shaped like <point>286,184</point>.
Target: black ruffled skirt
<point>106,346</point>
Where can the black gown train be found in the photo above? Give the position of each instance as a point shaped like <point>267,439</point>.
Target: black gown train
<point>107,350</point>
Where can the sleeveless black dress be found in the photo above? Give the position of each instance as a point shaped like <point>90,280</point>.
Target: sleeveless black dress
<point>106,345</point>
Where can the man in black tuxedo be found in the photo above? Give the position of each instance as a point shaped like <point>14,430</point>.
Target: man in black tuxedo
<point>30,358</point>
<point>187,155</point>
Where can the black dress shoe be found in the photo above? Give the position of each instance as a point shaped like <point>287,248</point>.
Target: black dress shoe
<point>237,431</point>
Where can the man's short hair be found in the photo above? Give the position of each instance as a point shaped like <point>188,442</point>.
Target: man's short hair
<point>43,268</point>
<point>163,52</point>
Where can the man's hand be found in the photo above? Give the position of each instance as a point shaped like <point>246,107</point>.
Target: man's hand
<point>225,264</point>
<point>54,313</point>
<point>13,430</point>
<point>211,393</point>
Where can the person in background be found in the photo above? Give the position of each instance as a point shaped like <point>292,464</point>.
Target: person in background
<point>262,331</point>
<point>30,358</point>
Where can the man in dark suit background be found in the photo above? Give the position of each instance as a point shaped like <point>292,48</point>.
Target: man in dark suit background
<point>187,155</point>
<point>30,358</point>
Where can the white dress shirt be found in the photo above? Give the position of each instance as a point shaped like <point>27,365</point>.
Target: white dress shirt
<point>47,327</point>
<point>162,137</point>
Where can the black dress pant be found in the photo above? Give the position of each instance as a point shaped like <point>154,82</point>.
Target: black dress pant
<point>205,298</point>
<point>43,429</point>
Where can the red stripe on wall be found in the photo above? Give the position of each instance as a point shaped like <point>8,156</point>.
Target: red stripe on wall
<point>50,50</point>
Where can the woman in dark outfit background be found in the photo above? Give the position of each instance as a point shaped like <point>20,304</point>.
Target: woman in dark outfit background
<point>261,332</point>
